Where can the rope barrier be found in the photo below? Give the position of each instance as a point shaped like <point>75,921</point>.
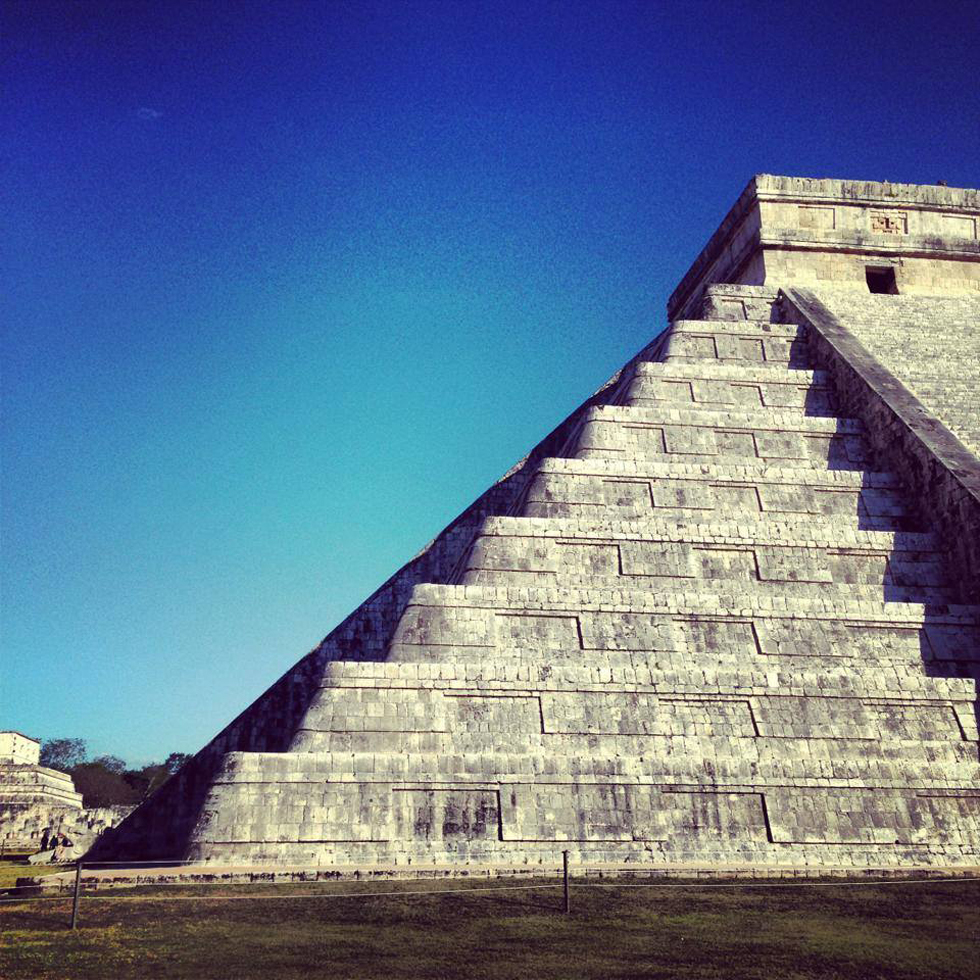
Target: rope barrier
<point>578,883</point>
<point>256,898</point>
<point>39,898</point>
<point>771,884</point>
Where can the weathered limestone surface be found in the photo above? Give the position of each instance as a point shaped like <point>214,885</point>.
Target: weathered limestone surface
<point>32,797</point>
<point>815,232</point>
<point>941,473</point>
<point>20,750</point>
<point>932,343</point>
<point>704,622</point>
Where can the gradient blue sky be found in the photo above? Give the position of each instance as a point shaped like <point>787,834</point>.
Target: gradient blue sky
<point>287,285</point>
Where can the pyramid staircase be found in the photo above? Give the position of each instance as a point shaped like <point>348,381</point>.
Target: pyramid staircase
<point>709,632</point>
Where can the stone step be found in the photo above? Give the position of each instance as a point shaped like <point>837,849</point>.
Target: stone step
<point>606,440</point>
<point>642,674</point>
<point>456,621</point>
<point>725,301</point>
<point>718,387</point>
<point>740,328</point>
<point>737,341</point>
<point>789,560</point>
<point>586,497</point>
<point>655,530</point>
<point>832,453</point>
<point>705,417</point>
<point>734,757</point>
<point>699,436</point>
<point>258,797</point>
<point>472,713</point>
<point>813,648</point>
<point>749,373</point>
<point>621,489</point>
<point>319,772</point>
<point>693,603</point>
<point>627,509</point>
<point>752,471</point>
<point>696,849</point>
<point>36,784</point>
<point>748,586</point>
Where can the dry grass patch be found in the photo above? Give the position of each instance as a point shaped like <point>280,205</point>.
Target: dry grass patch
<point>882,932</point>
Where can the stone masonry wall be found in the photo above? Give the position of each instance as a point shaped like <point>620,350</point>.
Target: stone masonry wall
<point>18,749</point>
<point>808,232</point>
<point>932,343</point>
<point>942,474</point>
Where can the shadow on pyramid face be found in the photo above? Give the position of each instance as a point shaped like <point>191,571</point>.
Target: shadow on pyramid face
<point>954,653</point>
<point>818,402</point>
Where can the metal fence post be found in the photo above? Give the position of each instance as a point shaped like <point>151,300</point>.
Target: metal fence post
<point>78,890</point>
<point>564,861</point>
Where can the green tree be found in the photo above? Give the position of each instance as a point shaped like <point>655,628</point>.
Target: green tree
<point>148,779</point>
<point>106,781</point>
<point>63,753</point>
<point>101,786</point>
<point>111,762</point>
<point>176,761</point>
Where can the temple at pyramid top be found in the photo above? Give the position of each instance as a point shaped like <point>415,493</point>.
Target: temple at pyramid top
<point>889,238</point>
<point>726,614</point>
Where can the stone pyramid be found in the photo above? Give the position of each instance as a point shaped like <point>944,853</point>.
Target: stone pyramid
<point>32,797</point>
<point>713,619</point>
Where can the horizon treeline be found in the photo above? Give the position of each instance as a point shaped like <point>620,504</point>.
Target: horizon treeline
<point>107,780</point>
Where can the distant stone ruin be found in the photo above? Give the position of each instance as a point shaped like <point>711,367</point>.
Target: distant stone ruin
<point>725,615</point>
<point>40,809</point>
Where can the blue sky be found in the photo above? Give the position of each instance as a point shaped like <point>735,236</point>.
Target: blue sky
<point>288,285</point>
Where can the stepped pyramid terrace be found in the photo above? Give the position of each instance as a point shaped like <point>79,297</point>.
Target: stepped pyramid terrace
<point>38,803</point>
<point>726,614</point>
<point>32,796</point>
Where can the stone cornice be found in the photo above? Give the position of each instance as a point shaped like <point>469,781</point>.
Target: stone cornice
<point>746,230</point>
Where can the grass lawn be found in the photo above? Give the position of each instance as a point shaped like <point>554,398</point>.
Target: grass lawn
<point>14,867</point>
<point>920,930</point>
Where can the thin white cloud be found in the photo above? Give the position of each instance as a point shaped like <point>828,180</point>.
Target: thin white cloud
<point>143,112</point>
